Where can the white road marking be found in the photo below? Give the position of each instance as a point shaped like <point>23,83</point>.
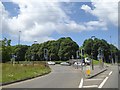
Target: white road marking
<point>110,73</point>
<point>81,83</point>
<point>91,86</point>
<point>92,79</point>
<point>101,85</point>
<point>0,87</point>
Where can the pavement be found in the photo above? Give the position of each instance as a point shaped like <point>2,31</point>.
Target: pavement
<point>96,71</point>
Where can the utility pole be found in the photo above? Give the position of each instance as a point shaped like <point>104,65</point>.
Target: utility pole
<point>19,38</point>
<point>77,56</point>
<point>92,37</point>
<point>111,52</point>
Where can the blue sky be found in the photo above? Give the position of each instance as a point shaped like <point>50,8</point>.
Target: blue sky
<point>72,13</point>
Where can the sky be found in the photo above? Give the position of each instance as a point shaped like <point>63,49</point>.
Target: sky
<point>41,21</point>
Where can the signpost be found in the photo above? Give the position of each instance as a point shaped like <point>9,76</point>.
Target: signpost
<point>46,55</point>
<point>100,57</point>
<point>88,72</point>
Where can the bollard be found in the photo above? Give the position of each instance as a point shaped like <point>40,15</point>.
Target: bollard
<point>88,71</point>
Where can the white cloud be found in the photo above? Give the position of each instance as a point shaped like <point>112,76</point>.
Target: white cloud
<point>38,20</point>
<point>86,8</point>
<point>105,10</point>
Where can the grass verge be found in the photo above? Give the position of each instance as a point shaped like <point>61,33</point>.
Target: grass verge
<point>95,62</point>
<point>19,71</point>
<point>0,72</point>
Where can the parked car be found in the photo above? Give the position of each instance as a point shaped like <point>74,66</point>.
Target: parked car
<point>79,63</point>
<point>51,63</point>
<point>65,63</point>
<point>87,61</point>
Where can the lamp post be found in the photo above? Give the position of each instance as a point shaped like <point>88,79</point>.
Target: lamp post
<point>33,58</point>
<point>77,56</point>
<point>82,54</point>
<point>19,38</point>
<point>92,37</point>
<point>82,57</point>
<point>112,57</point>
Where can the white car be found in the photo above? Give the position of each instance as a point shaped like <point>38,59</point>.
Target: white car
<point>79,63</point>
<point>51,63</point>
<point>65,63</point>
<point>87,61</point>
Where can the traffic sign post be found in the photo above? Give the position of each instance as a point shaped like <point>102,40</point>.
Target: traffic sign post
<point>46,55</point>
<point>88,71</point>
<point>100,57</point>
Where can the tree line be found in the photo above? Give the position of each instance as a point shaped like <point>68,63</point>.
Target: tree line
<point>62,49</point>
<point>91,47</point>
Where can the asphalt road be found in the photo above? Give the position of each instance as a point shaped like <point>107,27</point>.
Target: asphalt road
<point>107,79</point>
<point>113,79</point>
<point>60,77</point>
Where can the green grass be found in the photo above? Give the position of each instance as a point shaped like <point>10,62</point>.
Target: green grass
<point>0,72</point>
<point>95,62</point>
<point>18,71</point>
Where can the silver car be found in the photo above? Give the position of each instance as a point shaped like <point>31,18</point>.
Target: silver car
<point>65,63</point>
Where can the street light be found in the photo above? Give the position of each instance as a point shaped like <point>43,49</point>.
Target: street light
<point>19,38</point>
<point>77,56</point>
<point>82,54</point>
<point>92,37</point>
<point>32,58</point>
<point>111,51</point>
<point>82,57</point>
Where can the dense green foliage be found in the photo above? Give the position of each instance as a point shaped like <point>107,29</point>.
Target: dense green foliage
<point>20,51</point>
<point>91,48</point>
<point>61,49</point>
<point>6,49</point>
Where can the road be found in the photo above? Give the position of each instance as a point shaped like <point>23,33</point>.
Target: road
<point>112,81</point>
<point>60,77</point>
<point>69,77</point>
<point>107,79</point>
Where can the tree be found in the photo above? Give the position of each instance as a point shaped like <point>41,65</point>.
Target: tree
<point>6,50</point>
<point>67,48</point>
<point>90,45</point>
<point>32,52</point>
<point>62,48</point>
<point>19,51</point>
<point>87,45</point>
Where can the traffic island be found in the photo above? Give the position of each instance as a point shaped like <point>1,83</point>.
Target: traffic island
<point>88,73</point>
